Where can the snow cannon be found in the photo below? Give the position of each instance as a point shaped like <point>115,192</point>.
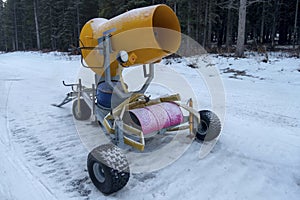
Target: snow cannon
<point>131,118</point>
<point>146,34</point>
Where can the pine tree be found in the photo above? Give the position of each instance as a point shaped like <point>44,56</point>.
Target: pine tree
<point>2,37</point>
<point>56,24</point>
<point>8,25</point>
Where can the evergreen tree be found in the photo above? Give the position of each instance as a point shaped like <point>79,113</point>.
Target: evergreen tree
<point>56,24</point>
<point>2,36</point>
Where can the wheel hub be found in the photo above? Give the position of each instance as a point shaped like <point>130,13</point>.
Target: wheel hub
<point>99,173</point>
<point>203,127</point>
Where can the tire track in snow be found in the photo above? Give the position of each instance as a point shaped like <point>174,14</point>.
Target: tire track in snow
<point>5,138</point>
<point>53,158</point>
<point>47,141</point>
<point>13,167</point>
<point>43,137</point>
<point>273,118</point>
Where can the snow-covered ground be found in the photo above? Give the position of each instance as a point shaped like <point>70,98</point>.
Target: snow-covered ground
<point>256,157</point>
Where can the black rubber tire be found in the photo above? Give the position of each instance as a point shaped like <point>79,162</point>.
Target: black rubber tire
<point>84,108</point>
<point>113,165</point>
<point>210,126</point>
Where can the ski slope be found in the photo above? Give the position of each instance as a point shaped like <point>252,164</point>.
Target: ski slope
<point>256,157</point>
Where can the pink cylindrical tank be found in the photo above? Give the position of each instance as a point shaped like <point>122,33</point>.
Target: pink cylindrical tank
<point>156,117</point>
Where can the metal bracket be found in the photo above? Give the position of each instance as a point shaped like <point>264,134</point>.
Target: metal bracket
<point>151,71</point>
<point>104,42</point>
<point>70,97</point>
<point>119,133</point>
<point>108,32</point>
<point>149,76</point>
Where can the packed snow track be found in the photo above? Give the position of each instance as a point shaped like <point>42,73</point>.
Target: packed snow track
<point>256,157</point>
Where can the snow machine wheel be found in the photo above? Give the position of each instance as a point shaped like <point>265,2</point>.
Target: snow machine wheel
<point>108,168</point>
<point>210,126</point>
<point>85,111</point>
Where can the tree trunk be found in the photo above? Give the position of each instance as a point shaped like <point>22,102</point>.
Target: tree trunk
<point>16,46</point>
<point>37,32</point>
<point>189,19</point>
<point>262,24</point>
<point>295,25</point>
<point>53,40</point>
<point>229,27</point>
<point>209,24</point>
<point>274,25</point>
<point>175,7</point>
<point>197,22</point>
<point>188,48</point>
<point>2,37</point>
<point>78,18</point>
<point>241,29</point>
<point>13,43</point>
<point>205,24</point>
<point>220,33</point>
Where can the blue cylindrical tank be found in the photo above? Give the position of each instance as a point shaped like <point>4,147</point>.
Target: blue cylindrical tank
<point>104,93</point>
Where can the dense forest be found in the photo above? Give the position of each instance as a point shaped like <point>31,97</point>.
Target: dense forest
<point>56,24</point>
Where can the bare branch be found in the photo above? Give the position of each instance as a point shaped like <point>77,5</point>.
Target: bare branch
<point>249,3</point>
<point>230,4</point>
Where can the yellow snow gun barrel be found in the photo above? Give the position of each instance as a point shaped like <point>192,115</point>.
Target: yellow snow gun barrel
<point>147,34</point>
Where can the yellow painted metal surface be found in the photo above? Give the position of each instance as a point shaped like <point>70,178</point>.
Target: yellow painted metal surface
<point>148,34</point>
